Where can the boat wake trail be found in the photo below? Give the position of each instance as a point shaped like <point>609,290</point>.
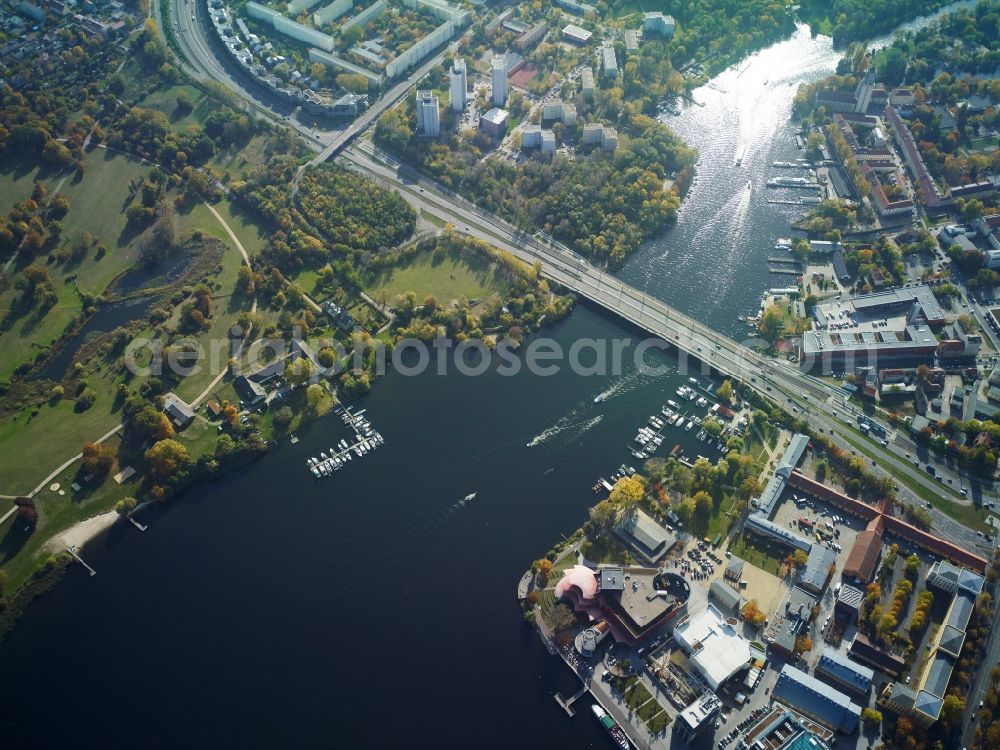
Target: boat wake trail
<point>463,502</point>
<point>572,423</point>
<point>617,387</point>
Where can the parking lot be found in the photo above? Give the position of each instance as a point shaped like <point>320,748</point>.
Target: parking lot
<point>839,529</point>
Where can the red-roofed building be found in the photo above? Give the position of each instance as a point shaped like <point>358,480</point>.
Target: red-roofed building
<point>891,525</point>
<point>864,555</point>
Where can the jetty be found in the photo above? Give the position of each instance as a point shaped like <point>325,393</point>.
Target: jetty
<point>72,551</point>
<point>567,703</point>
<point>141,527</point>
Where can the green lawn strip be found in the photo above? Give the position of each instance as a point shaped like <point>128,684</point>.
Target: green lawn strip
<point>965,514</point>
<point>759,556</point>
<point>433,219</point>
<point>622,684</point>
<point>658,722</point>
<point>649,709</point>
<point>636,695</point>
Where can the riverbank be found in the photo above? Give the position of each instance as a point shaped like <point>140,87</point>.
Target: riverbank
<point>82,532</point>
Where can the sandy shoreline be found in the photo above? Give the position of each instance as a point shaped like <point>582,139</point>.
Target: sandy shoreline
<point>82,532</point>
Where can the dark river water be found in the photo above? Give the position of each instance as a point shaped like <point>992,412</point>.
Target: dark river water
<point>269,610</point>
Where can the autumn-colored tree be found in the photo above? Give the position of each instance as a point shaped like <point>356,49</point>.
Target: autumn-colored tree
<point>231,416</point>
<point>802,644</point>
<point>871,716</point>
<point>167,457</point>
<point>800,558</point>
<point>544,570</point>
<point>98,458</point>
<point>725,391</point>
<point>752,614</point>
<point>125,506</point>
<point>627,493</point>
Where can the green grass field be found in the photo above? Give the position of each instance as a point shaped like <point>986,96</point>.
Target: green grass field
<point>448,279</point>
<point>165,100</point>
<point>755,554</point>
<point>17,180</point>
<point>97,205</point>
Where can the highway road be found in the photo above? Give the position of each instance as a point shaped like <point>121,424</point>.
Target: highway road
<point>816,400</point>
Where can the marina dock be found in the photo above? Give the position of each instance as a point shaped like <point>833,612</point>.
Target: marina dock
<point>367,439</point>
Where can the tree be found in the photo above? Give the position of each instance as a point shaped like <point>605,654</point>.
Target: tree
<point>544,571</point>
<point>970,210</point>
<point>561,618</point>
<point>802,644</point>
<point>353,82</point>
<point>627,493</point>
<point>393,130</point>
<point>125,506</point>
<point>751,487</point>
<point>167,457</point>
<point>952,710</point>
<point>159,241</point>
<point>283,416</point>
<point>314,396</point>
<point>725,391</point>
<point>871,716</point>
<point>85,400</point>
<point>800,558</point>
<point>752,614</point>
<point>893,66</point>
<point>603,515</point>
<point>772,323</point>
<point>26,512</point>
<point>327,357</point>
<point>299,370</point>
<point>98,458</point>
<point>685,510</point>
<point>351,36</point>
<point>702,507</point>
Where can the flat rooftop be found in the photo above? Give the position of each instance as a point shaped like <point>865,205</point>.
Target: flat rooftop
<point>638,597</point>
<point>893,319</point>
<point>714,645</point>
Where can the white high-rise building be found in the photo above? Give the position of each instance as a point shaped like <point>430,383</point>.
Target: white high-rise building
<point>459,86</point>
<point>499,72</point>
<point>428,115</point>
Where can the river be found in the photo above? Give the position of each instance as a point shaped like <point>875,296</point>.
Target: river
<point>373,610</point>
